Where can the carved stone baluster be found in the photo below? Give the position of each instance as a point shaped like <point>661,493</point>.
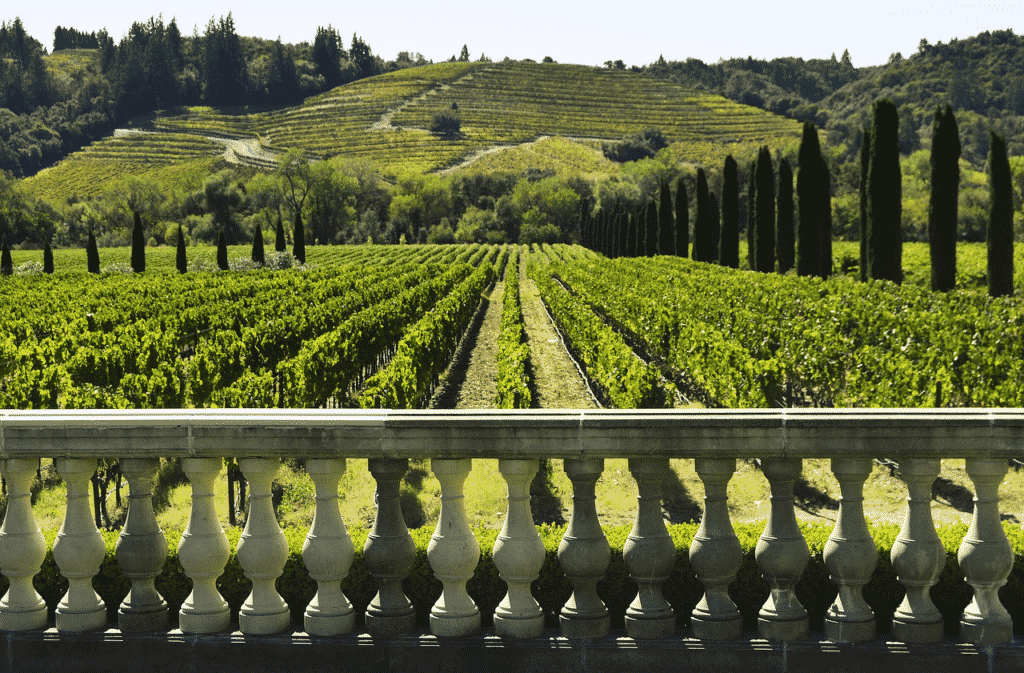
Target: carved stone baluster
<point>141,551</point>
<point>79,551</point>
<point>986,559</point>
<point>389,553</point>
<point>716,555</point>
<point>782,555</point>
<point>584,554</point>
<point>453,553</point>
<point>918,556</point>
<point>328,553</point>
<point>850,556</point>
<point>203,552</point>
<point>262,552</point>
<point>518,555</point>
<point>22,549</point>
<point>649,554</point>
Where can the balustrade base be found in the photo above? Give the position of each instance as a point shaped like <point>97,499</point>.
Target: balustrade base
<point>708,629</point>
<point>580,628</point>
<point>986,634</point>
<point>849,632</point>
<point>395,625</point>
<point>650,629</point>
<point>155,620</point>
<point>264,625</point>
<point>82,621</point>
<point>512,627</point>
<point>23,621</point>
<point>204,623</point>
<point>914,632</point>
<point>323,625</point>
<point>455,627</point>
<point>788,630</point>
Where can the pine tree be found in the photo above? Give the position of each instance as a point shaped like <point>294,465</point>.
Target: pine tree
<point>299,243</point>
<point>1000,223</point>
<point>279,244</point>
<point>222,252</point>
<point>47,258</point>
<point>885,193</point>
<point>682,220</point>
<point>257,247</point>
<point>182,261</point>
<point>666,223</point>
<point>730,254</point>
<point>752,216</point>
<point>942,207</point>
<point>825,231</point>
<point>865,163</point>
<point>138,245</point>
<point>701,226</point>
<point>651,230</point>
<point>6,263</point>
<point>765,232</point>
<point>92,254</point>
<point>808,189</point>
<point>784,241</point>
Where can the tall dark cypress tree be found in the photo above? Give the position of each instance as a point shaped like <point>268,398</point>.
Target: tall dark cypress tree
<point>181,260</point>
<point>222,252</point>
<point>620,225</point>
<point>945,192</point>
<point>784,241</point>
<point>1000,221</point>
<point>47,258</point>
<point>138,245</point>
<point>299,244</point>
<point>730,255</point>
<point>651,230</point>
<point>808,190</point>
<point>257,247</point>
<point>701,233</point>
<point>6,263</point>
<point>682,220</point>
<point>765,232</point>
<point>633,231</point>
<point>752,216</point>
<point>279,244</point>
<point>865,162</point>
<point>666,223</point>
<point>714,228</point>
<point>92,254</point>
<point>825,232</point>
<point>885,195</point>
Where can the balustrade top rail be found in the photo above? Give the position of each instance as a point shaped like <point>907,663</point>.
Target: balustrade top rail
<point>708,433</point>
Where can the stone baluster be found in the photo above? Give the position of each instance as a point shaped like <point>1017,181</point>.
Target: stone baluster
<point>782,555</point>
<point>327,553</point>
<point>519,555</point>
<point>389,553</point>
<point>203,552</point>
<point>583,554</point>
<point>79,550</point>
<point>262,552</point>
<point>716,555</point>
<point>850,556</point>
<point>986,559</point>
<point>918,556</point>
<point>141,551</point>
<point>22,549</point>
<point>453,553</point>
<point>649,554</point>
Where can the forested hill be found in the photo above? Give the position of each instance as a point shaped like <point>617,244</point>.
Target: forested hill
<point>982,77</point>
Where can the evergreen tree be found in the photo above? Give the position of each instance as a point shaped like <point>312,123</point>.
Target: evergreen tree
<point>222,251</point>
<point>92,254</point>
<point>942,207</point>
<point>752,216</point>
<point>784,241</point>
<point>764,234</point>
<point>701,226</point>
<point>182,261</point>
<point>632,234</point>
<point>47,258</point>
<point>885,193</point>
<point>327,54</point>
<point>1000,223</point>
<point>714,228</point>
<point>682,220</point>
<point>865,162</point>
<point>651,230</point>
<point>6,263</point>
<point>299,242</point>
<point>280,245</point>
<point>825,232</point>
<point>620,223</point>
<point>730,254</point>
<point>808,190</point>
<point>464,54</point>
<point>138,245</point>
<point>666,223</point>
<point>257,247</point>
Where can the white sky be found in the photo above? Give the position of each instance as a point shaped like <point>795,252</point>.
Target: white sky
<point>567,32</point>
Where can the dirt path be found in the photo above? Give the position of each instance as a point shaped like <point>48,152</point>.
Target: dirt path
<point>472,380</point>
<point>244,151</point>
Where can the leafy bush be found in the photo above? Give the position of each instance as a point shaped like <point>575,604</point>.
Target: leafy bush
<point>636,146</point>
<point>446,123</point>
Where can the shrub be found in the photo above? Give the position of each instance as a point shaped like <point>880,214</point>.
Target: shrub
<point>636,146</point>
<point>446,123</point>
<point>442,233</point>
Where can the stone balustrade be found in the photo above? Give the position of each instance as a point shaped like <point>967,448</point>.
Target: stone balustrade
<point>781,439</point>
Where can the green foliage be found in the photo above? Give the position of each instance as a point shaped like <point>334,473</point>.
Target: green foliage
<point>942,206</point>
<point>1000,228</point>
<point>808,188</point>
<point>885,230</point>
<point>636,146</point>
<point>764,228</point>
<point>730,253</point>
<point>785,239</point>
<point>682,220</point>
<point>513,351</point>
<point>446,123</point>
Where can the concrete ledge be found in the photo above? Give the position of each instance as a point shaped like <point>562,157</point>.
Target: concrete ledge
<point>421,652</point>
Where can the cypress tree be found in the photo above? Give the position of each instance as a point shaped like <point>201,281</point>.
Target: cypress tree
<point>182,261</point>
<point>730,255</point>
<point>1000,222</point>
<point>666,223</point>
<point>808,190</point>
<point>92,254</point>
<point>714,228</point>
<point>765,231</point>
<point>682,220</point>
<point>752,216</point>
<point>257,247</point>
<point>865,162</point>
<point>942,207</point>
<point>651,230</point>
<point>784,241</point>
<point>620,224</point>
<point>279,244</point>
<point>701,233</point>
<point>138,245</point>
<point>299,244</point>
<point>6,263</point>
<point>222,252</point>
<point>825,232</point>
<point>885,193</point>
<point>47,258</point>
<point>632,234</point>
